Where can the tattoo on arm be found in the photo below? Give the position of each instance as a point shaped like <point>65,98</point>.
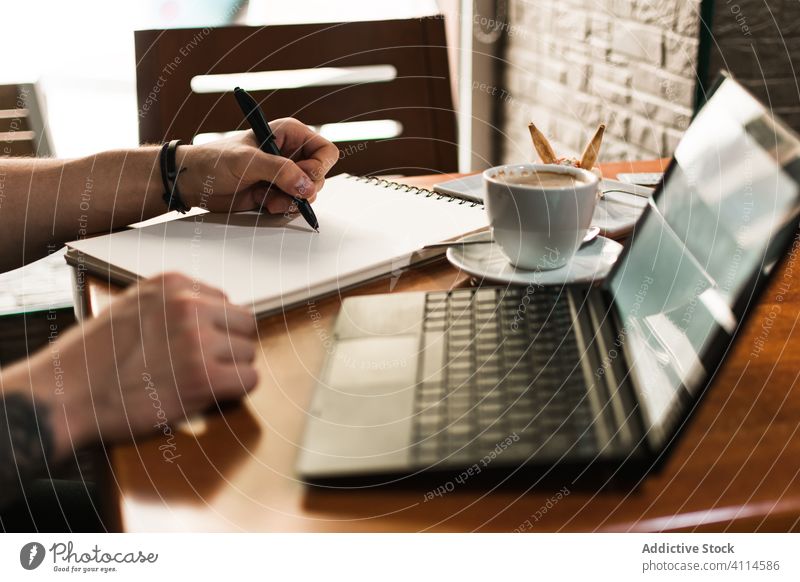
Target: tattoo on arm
<point>26,443</point>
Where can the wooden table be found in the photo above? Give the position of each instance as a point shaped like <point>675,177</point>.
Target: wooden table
<point>735,467</point>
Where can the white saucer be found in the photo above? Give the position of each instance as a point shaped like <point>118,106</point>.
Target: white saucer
<point>592,262</point>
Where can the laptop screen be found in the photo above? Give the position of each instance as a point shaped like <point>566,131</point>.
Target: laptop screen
<point>724,214</point>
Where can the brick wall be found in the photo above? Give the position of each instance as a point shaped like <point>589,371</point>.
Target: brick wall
<point>760,44</point>
<point>572,64</point>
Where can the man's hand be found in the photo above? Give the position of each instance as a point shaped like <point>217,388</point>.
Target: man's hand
<point>163,350</point>
<point>101,192</point>
<point>233,174</point>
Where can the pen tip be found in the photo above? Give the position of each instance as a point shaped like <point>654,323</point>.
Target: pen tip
<point>317,230</point>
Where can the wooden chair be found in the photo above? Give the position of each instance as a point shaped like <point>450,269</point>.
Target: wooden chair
<point>418,97</point>
<point>29,318</point>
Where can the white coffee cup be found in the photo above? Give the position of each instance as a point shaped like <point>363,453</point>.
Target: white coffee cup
<point>538,227</point>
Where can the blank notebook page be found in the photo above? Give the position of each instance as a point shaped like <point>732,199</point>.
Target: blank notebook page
<point>366,229</point>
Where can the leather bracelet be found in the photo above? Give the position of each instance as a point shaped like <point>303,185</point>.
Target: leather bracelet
<point>169,177</point>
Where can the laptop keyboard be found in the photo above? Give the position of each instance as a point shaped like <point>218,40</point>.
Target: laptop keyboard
<point>500,372</point>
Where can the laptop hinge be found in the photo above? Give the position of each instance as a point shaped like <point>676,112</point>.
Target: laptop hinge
<point>604,343</point>
<point>597,401</point>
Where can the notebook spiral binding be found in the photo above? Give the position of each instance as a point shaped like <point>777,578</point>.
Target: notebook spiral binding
<point>417,191</point>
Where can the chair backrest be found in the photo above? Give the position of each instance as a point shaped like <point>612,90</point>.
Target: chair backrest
<point>23,131</point>
<point>408,57</point>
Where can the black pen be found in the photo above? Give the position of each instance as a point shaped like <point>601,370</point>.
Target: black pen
<point>266,141</point>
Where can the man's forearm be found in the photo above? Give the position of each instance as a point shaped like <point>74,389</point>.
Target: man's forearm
<point>45,202</point>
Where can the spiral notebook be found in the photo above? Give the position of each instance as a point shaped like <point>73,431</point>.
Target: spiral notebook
<point>369,228</point>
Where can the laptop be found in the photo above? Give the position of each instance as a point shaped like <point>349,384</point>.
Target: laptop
<point>541,380</point>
